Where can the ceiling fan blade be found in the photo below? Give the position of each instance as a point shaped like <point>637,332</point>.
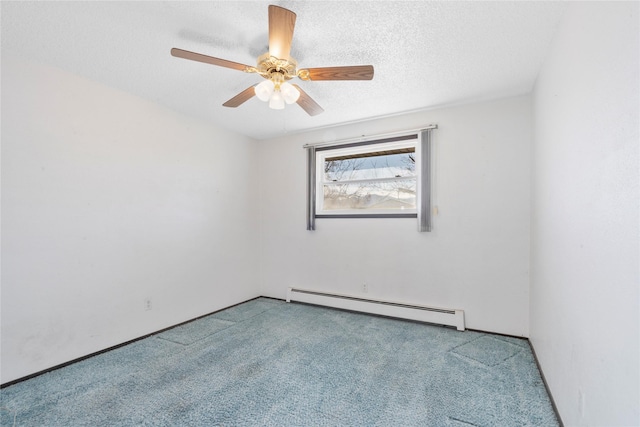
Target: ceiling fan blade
<point>179,53</point>
<point>356,72</point>
<point>309,105</point>
<point>240,98</point>
<point>281,24</point>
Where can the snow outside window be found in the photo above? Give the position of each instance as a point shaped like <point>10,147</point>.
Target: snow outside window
<point>378,179</point>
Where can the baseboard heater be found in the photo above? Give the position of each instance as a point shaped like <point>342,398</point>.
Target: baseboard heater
<point>441,316</point>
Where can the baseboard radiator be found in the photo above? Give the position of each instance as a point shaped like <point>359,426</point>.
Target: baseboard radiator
<point>441,316</point>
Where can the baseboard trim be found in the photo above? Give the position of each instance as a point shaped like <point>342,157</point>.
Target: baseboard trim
<point>80,359</point>
<point>520,337</point>
<point>546,385</point>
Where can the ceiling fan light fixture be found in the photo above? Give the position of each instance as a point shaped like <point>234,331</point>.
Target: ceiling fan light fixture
<point>276,91</point>
<point>289,93</point>
<point>277,101</point>
<point>264,90</point>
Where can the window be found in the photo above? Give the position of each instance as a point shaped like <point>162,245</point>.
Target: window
<point>373,179</point>
<point>381,178</point>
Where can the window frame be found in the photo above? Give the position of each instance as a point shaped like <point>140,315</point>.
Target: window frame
<point>411,140</point>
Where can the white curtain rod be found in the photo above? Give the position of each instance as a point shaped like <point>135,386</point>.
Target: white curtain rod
<point>369,137</point>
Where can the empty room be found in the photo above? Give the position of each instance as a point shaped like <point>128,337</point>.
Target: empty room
<point>305,213</point>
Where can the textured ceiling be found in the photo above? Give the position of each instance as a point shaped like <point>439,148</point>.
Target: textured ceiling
<point>425,54</point>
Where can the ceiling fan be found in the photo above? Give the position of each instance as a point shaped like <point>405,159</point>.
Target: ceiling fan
<point>278,67</point>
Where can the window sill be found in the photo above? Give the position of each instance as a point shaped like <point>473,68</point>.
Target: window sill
<point>371,215</point>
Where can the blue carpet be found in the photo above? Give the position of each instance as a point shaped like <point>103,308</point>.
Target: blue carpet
<point>269,363</point>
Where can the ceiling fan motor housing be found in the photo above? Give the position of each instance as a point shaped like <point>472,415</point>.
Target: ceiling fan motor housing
<point>277,69</point>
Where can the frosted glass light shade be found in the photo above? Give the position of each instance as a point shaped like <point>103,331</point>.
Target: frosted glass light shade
<point>276,102</point>
<point>264,90</point>
<point>289,93</point>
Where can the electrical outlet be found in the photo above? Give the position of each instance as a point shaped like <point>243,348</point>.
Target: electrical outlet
<point>365,288</point>
<point>147,304</point>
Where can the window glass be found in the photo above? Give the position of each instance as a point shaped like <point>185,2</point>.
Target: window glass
<point>389,164</point>
<point>399,194</point>
<point>370,179</point>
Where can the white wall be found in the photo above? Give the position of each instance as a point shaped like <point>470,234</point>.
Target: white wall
<point>585,217</point>
<point>108,199</point>
<point>476,258</point>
